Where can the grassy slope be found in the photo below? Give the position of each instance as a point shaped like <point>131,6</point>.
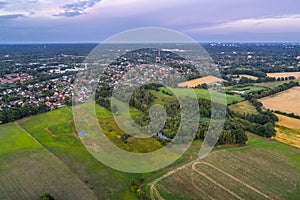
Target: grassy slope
<point>28,170</point>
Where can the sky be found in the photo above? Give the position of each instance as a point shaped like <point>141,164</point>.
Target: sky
<point>58,21</point>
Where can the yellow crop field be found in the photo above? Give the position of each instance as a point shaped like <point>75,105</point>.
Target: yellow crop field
<point>288,130</point>
<point>199,81</point>
<point>287,101</point>
<point>284,74</point>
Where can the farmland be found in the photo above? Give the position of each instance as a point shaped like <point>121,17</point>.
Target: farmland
<point>28,169</point>
<point>51,142</point>
<point>288,130</point>
<point>65,145</point>
<point>284,74</point>
<point>245,173</point>
<point>199,81</point>
<point>287,101</point>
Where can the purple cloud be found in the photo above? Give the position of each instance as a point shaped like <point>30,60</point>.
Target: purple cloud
<point>76,9</point>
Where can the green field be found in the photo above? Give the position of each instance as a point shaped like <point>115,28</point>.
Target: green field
<point>199,93</point>
<point>256,86</point>
<point>273,84</point>
<point>264,169</point>
<point>247,88</point>
<point>63,142</point>
<point>43,154</point>
<point>29,170</point>
<point>47,145</point>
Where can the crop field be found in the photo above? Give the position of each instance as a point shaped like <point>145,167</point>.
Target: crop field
<point>264,169</point>
<point>286,101</point>
<point>43,154</point>
<point>28,170</point>
<point>63,142</point>
<point>284,74</point>
<point>199,93</point>
<point>243,107</point>
<point>199,81</point>
<point>288,130</point>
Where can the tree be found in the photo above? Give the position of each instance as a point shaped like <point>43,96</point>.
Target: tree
<point>46,196</point>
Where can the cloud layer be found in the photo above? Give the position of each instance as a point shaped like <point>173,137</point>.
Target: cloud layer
<point>95,20</point>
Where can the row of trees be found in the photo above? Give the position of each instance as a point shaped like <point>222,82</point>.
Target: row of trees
<point>15,113</point>
<point>293,115</point>
<point>248,72</point>
<point>269,92</point>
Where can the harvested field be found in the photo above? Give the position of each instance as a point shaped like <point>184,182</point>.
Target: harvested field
<point>199,81</point>
<point>288,122</point>
<point>288,130</point>
<point>284,74</point>
<point>286,101</point>
<point>244,107</point>
<point>262,170</point>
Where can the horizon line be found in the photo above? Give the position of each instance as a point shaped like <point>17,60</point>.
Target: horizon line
<point>200,42</point>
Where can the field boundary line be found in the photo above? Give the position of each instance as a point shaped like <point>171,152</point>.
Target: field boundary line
<point>199,189</point>
<point>60,161</point>
<point>232,177</point>
<point>153,183</point>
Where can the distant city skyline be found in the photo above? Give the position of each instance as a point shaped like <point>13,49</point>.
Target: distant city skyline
<point>82,21</point>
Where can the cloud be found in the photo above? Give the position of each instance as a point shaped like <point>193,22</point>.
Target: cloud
<point>258,25</point>
<point>11,16</point>
<point>78,8</point>
<point>3,4</point>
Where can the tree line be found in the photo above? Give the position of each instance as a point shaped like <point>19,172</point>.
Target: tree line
<point>15,113</point>
<point>272,91</point>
